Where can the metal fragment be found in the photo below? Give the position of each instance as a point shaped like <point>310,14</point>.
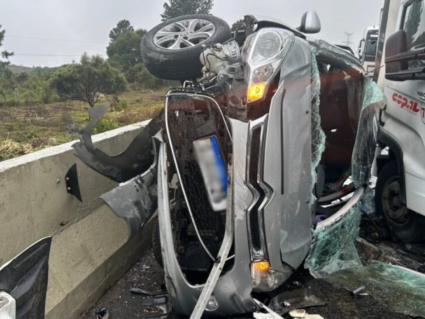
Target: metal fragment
<point>298,313</point>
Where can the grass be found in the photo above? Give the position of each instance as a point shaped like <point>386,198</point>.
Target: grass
<point>25,129</point>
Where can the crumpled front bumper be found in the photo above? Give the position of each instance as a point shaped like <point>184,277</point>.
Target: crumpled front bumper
<point>233,290</point>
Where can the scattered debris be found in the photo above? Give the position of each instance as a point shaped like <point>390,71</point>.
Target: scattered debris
<point>260,315</point>
<point>156,301</point>
<point>296,299</point>
<point>103,314</point>
<point>138,291</point>
<point>160,302</point>
<point>269,315</point>
<point>358,290</point>
<point>298,313</point>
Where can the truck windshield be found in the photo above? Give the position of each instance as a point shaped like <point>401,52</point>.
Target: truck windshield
<point>371,45</point>
<point>414,25</point>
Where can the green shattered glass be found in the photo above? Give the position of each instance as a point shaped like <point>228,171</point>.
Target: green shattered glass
<point>399,288</point>
<point>333,255</point>
<point>318,137</point>
<point>333,249</point>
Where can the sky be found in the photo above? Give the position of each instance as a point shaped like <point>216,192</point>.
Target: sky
<point>55,32</point>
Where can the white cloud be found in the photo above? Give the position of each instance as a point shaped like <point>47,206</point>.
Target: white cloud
<point>91,20</point>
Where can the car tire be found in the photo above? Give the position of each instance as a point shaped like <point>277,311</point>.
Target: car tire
<point>156,244</point>
<point>404,224</point>
<point>182,62</point>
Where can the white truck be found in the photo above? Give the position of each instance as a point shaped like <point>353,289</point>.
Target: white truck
<point>367,49</point>
<point>400,189</point>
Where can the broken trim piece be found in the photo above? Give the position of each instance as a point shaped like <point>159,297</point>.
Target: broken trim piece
<point>342,212</point>
<point>135,160</point>
<point>271,313</point>
<point>136,200</point>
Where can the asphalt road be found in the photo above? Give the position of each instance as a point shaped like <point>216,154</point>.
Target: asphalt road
<point>146,274</point>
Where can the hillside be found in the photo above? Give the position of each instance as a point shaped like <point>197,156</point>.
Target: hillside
<point>19,69</point>
<point>16,69</point>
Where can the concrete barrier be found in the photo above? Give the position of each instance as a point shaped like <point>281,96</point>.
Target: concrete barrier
<point>90,250</point>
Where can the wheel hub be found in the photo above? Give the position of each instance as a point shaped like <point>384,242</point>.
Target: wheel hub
<point>392,204</point>
<point>184,34</point>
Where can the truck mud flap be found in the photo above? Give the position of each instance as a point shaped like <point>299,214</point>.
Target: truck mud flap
<point>25,279</point>
<point>135,160</point>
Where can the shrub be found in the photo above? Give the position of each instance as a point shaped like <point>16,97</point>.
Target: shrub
<point>104,125</point>
<point>10,149</point>
<point>123,104</point>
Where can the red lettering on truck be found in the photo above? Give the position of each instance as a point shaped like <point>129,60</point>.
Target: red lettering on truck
<point>406,103</point>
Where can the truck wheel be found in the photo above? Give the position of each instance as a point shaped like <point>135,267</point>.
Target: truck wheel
<point>405,224</point>
<point>156,244</point>
<point>172,49</point>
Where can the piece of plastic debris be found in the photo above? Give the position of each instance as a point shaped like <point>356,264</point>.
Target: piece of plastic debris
<point>270,313</point>
<point>103,314</point>
<point>358,290</point>
<point>260,315</point>
<point>296,299</point>
<point>298,313</point>
<point>155,301</point>
<point>138,291</point>
<point>308,316</point>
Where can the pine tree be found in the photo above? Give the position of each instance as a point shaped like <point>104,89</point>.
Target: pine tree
<point>4,54</point>
<point>122,27</point>
<point>177,8</point>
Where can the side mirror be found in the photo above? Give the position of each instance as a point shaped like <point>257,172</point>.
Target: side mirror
<point>310,22</point>
<point>361,49</point>
<point>396,45</point>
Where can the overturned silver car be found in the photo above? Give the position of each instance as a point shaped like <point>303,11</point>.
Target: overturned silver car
<point>257,142</point>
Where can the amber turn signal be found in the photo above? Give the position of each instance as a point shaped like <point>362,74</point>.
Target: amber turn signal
<point>261,265</point>
<point>256,91</point>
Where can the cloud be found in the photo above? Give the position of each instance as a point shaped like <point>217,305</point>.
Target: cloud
<point>91,20</point>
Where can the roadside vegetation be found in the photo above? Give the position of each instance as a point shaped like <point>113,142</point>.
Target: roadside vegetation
<point>37,104</point>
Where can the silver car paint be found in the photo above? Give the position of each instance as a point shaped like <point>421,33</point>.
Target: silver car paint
<point>288,216</point>
<point>233,290</point>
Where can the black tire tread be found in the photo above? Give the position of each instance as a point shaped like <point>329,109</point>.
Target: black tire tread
<point>181,64</point>
<point>411,230</point>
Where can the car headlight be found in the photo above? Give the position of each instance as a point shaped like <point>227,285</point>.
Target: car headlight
<point>264,53</point>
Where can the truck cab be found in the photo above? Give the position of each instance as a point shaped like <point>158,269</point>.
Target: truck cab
<point>400,190</point>
<point>367,49</point>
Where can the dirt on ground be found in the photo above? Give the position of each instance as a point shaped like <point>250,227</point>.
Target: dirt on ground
<point>146,274</point>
